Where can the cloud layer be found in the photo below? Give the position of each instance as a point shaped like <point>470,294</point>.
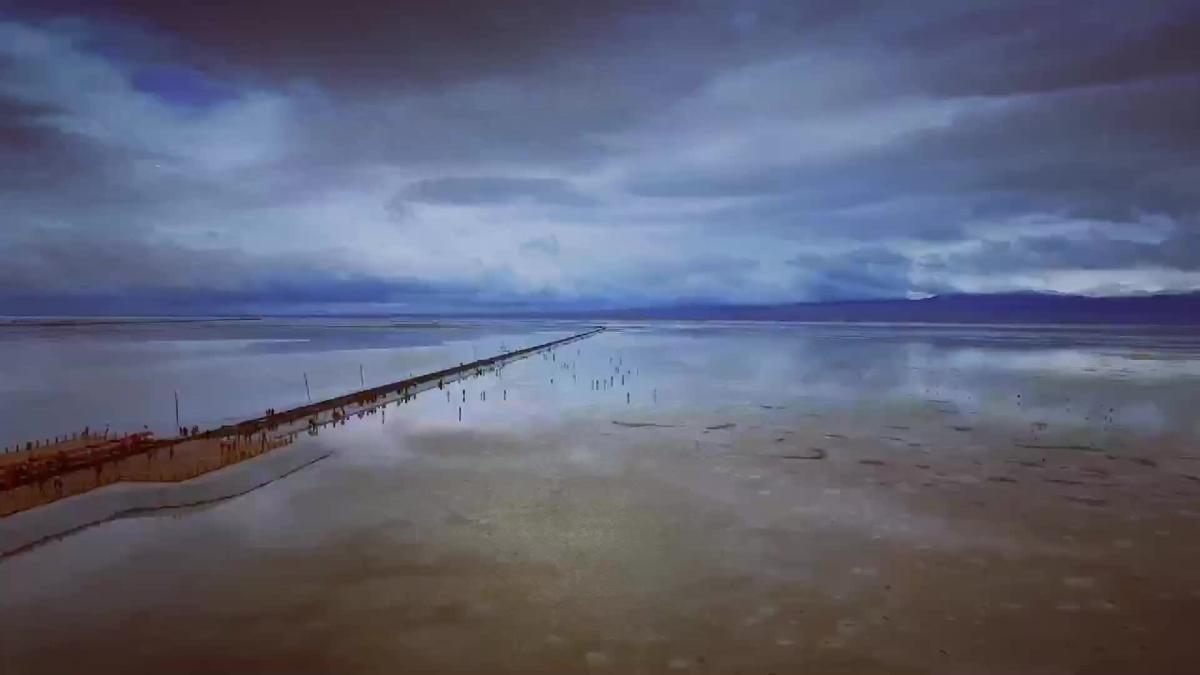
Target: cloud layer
<point>471,155</point>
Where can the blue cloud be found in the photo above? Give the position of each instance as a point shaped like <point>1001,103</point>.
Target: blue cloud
<point>182,86</point>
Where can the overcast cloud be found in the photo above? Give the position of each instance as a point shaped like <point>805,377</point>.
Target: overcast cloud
<point>382,156</point>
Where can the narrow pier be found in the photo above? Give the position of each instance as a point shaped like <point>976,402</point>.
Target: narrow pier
<point>52,473</point>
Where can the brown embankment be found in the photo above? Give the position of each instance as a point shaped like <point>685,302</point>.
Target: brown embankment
<point>154,461</point>
<point>50,446</point>
<point>78,465</point>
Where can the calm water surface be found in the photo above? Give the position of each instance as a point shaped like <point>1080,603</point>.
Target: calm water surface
<point>58,376</point>
<point>709,498</point>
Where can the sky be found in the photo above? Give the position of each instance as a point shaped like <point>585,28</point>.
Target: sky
<point>360,156</point>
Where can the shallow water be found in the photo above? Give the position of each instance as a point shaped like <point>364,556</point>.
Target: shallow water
<point>58,376</point>
<point>732,498</point>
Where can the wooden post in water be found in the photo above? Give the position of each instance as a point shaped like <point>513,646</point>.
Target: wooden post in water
<point>361,379</point>
<point>306,389</point>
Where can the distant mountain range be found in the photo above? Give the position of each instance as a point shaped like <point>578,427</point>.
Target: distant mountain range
<point>1043,308</point>
<point>1178,309</point>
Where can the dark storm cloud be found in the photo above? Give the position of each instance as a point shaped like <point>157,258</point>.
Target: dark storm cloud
<point>1092,251</point>
<point>1109,153</point>
<point>862,273</point>
<point>1120,148</point>
<point>615,152</point>
<point>364,43</point>
<point>495,189</point>
<point>182,86</point>
<point>34,154</point>
<point>79,273</point>
<point>702,278</point>
<point>1151,121</point>
<point>62,260</point>
<point>1010,48</point>
<point>371,44</point>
